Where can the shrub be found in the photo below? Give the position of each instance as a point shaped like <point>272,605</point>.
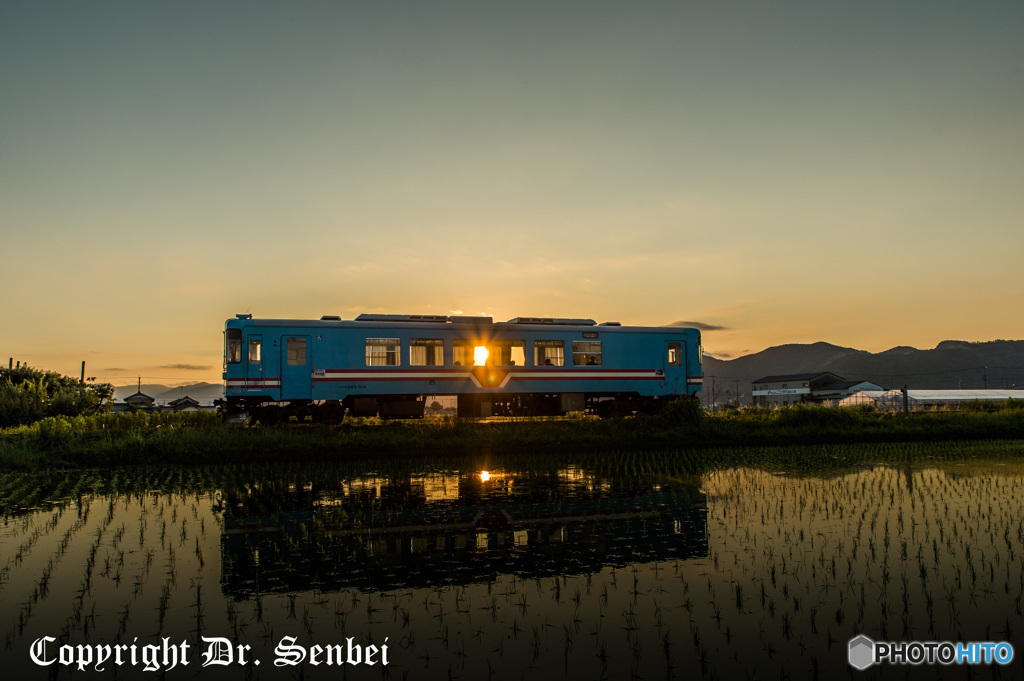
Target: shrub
<point>28,395</point>
<point>682,411</point>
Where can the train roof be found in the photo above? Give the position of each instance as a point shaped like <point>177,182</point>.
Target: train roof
<point>398,321</point>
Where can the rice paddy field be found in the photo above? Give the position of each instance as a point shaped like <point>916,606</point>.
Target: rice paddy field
<point>635,565</point>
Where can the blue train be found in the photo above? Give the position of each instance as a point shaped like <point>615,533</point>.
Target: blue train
<point>386,365</point>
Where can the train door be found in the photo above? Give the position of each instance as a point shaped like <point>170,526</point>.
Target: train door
<point>296,368</point>
<point>675,368</point>
<point>254,362</point>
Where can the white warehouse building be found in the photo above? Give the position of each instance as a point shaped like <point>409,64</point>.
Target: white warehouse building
<point>891,400</point>
<point>822,387</point>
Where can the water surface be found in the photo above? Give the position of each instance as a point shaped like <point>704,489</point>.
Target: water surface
<point>540,572</point>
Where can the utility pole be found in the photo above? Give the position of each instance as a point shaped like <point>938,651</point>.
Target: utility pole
<point>83,371</point>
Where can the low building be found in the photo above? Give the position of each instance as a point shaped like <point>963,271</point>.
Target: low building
<point>831,394</point>
<point>892,400</point>
<point>822,387</point>
<point>185,403</point>
<point>138,401</point>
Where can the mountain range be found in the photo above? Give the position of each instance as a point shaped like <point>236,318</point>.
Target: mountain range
<point>203,393</point>
<point>949,365</point>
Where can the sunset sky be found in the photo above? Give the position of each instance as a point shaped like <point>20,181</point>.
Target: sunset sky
<point>781,172</point>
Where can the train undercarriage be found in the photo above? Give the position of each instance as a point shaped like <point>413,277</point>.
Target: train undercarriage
<point>332,412</point>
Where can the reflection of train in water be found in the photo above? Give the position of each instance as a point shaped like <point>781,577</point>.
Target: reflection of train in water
<point>387,364</point>
<point>455,529</point>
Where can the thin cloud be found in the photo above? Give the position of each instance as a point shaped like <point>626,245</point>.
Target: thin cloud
<point>699,325</point>
<point>188,367</point>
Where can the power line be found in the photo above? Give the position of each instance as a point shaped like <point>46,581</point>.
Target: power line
<point>127,376</point>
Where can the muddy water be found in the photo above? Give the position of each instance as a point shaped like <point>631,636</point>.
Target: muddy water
<point>505,574</point>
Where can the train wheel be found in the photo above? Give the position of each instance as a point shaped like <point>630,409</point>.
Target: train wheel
<point>330,414</point>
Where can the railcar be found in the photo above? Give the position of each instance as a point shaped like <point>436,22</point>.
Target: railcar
<point>387,365</point>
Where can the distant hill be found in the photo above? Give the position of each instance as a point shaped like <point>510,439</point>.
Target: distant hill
<point>949,365</point>
<point>203,393</point>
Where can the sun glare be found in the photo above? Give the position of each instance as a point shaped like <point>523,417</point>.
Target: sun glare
<point>480,356</point>
<point>484,476</point>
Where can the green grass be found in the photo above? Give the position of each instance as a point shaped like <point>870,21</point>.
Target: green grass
<point>199,437</point>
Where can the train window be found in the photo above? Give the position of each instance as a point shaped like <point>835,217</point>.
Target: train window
<point>426,352</point>
<point>296,350</point>
<point>549,353</point>
<point>382,352</point>
<point>254,350</point>
<point>508,353</point>
<point>675,354</point>
<point>586,353</point>
<point>233,353</point>
<point>462,352</point>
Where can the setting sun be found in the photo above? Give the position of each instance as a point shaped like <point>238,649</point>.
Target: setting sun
<point>480,356</point>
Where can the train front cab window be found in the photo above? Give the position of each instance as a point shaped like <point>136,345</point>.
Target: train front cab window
<point>233,351</point>
<point>382,352</point>
<point>426,352</point>
<point>549,353</point>
<point>586,353</point>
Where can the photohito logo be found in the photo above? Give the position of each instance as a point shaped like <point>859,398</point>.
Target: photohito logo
<point>863,652</point>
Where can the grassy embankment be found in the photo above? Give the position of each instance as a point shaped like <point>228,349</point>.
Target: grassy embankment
<point>136,438</point>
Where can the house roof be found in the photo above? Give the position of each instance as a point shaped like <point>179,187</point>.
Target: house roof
<point>959,395</point>
<point>940,395</point>
<point>796,377</point>
<point>843,385</point>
